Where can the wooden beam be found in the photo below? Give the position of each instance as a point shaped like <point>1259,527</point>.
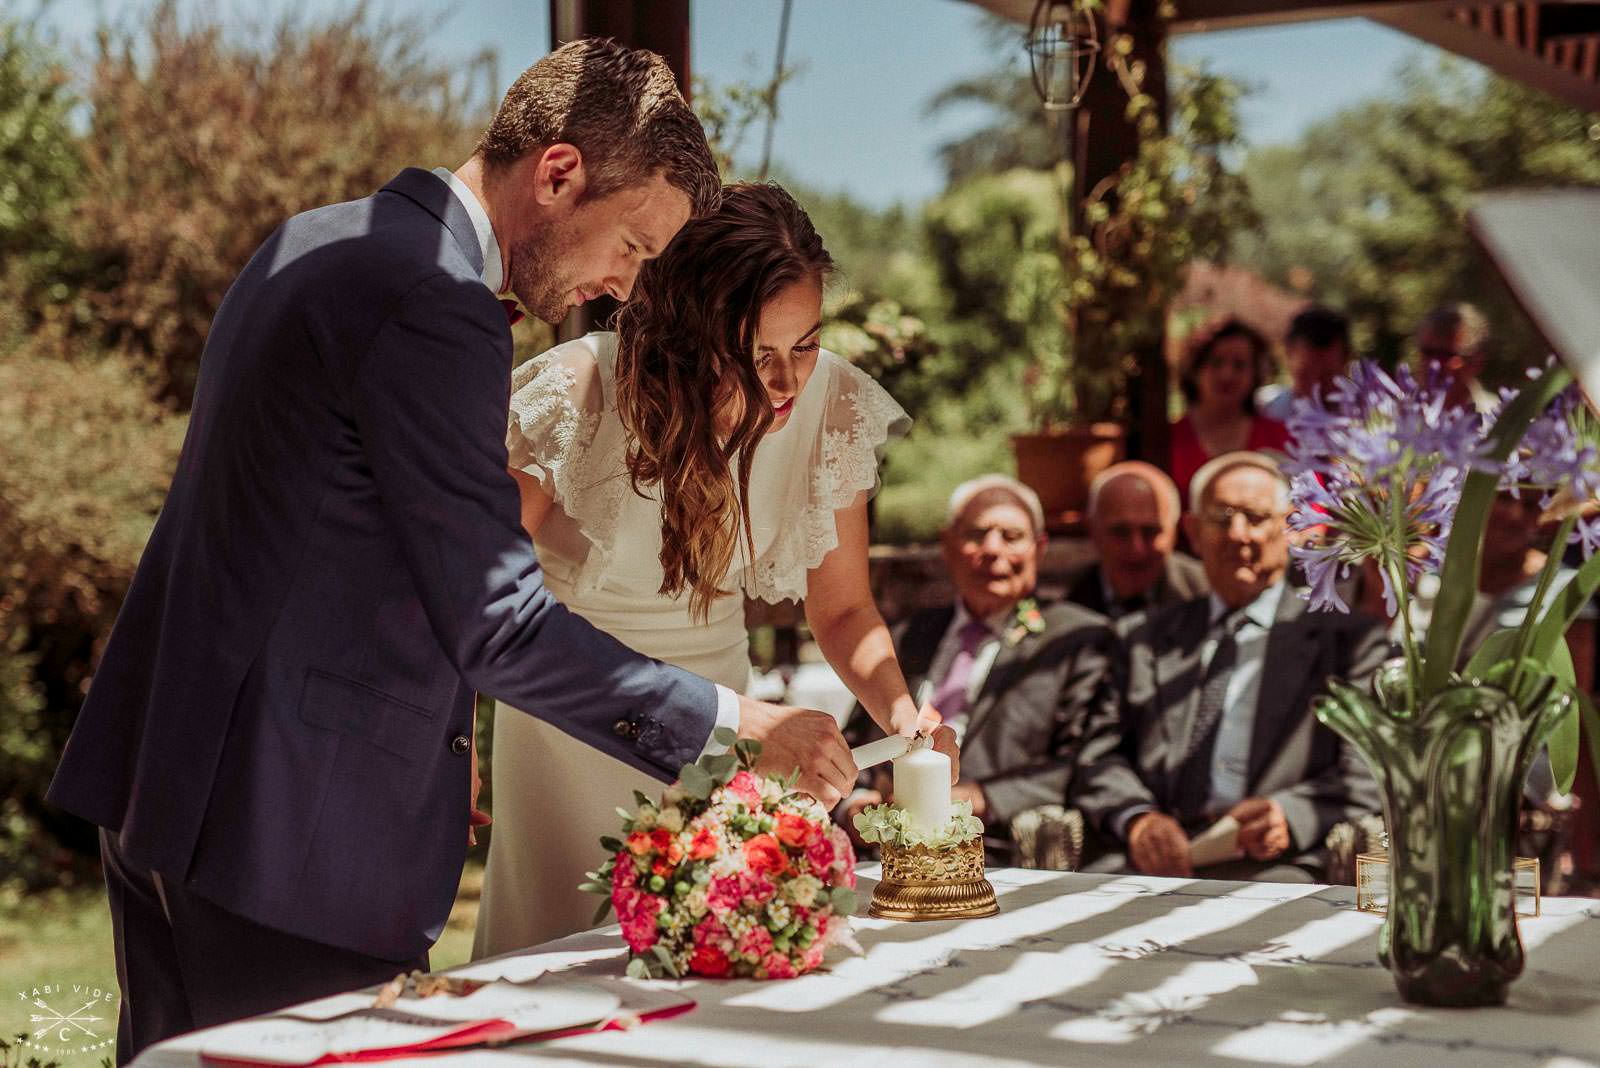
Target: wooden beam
<point>662,26</point>
<point>1527,67</point>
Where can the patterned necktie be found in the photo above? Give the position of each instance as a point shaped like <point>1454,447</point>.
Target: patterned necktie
<point>513,313</point>
<point>950,698</point>
<point>1194,771</point>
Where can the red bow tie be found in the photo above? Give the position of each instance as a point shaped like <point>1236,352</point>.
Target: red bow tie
<point>513,313</point>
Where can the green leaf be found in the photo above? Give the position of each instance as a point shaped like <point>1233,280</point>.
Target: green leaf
<point>638,969</point>
<point>610,844</point>
<point>1564,609</point>
<point>695,782</point>
<point>843,900</point>
<point>640,799</point>
<point>1563,744</point>
<point>594,886</point>
<point>721,768</point>
<point>1458,578</point>
<point>748,751</point>
<point>601,913</point>
<point>625,814</point>
<point>725,737</point>
<point>660,953</point>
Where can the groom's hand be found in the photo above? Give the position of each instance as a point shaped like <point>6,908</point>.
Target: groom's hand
<point>800,738</point>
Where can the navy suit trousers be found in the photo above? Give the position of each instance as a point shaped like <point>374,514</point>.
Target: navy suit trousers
<point>184,963</point>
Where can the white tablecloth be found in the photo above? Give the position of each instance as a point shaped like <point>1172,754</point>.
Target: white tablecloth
<point>1092,970</point>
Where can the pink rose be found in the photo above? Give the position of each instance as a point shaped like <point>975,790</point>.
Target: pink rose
<point>755,890</point>
<point>820,857</point>
<point>639,928</point>
<point>709,931</point>
<point>724,894</point>
<point>844,858</point>
<point>756,943</point>
<point>778,966</point>
<point>811,957</point>
<point>624,876</point>
<point>745,786</point>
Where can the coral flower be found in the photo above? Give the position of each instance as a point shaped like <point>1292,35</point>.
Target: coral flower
<point>763,854</point>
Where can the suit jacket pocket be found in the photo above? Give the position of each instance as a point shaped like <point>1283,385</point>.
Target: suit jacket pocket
<point>360,711</point>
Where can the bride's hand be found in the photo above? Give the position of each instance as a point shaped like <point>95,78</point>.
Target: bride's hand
<point>803,739</point>
<point>929,721</point>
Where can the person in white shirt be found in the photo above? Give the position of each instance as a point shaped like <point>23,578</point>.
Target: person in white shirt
<point>708,450</point>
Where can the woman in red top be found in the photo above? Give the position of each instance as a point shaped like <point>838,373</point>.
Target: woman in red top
<point>1219,377</point>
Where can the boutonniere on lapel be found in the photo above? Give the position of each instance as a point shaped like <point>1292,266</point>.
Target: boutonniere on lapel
<point>1027,620</point>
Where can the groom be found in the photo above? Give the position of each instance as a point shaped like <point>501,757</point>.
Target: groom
<point>278,739</point>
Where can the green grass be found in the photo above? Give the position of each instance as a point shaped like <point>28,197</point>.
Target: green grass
<point>65,937</point>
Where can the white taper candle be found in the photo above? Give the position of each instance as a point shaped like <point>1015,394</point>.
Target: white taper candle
<point>922,788</point>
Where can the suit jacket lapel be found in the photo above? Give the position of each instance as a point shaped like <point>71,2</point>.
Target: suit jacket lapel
<point>1288,671</point>
<point>1009,661</point>
<point>920,641</point>
<point>1175,647</point>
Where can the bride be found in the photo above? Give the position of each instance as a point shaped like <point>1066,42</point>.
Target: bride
<point>708,450</point>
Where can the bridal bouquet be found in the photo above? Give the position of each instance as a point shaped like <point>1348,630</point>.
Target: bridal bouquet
<point>733,873</point>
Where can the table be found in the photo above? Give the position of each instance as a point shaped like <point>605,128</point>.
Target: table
<point>1093,969</point>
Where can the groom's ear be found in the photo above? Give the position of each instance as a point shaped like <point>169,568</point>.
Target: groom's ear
<point>558,175</point>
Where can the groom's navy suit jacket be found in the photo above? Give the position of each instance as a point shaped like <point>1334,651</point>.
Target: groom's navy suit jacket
<point>280,718</point>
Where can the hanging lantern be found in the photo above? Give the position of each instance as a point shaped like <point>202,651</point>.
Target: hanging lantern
<point>1063,47</point>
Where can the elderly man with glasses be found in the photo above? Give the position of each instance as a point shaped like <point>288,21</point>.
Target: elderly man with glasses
<point>1211,715</point>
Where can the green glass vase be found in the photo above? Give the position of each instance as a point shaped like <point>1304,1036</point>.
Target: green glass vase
<point>1451,776</point>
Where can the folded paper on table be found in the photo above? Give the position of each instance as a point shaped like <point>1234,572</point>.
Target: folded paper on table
<point>1217,844</point>
<point>349,1029</point>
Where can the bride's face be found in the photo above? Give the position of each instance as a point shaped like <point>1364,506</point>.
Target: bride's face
<point>787,345</point>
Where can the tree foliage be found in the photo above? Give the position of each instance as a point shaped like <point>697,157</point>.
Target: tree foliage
<point>197,142</point>
<point>1367,211</point>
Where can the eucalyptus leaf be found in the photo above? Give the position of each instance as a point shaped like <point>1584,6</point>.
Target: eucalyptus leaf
<point>610,844</point>
<point>638,969</point>
<point>695,782</point>
<point>843,900</point>
<point>601,913</point>
<point>624,813</point>
<point>725,737</point>
<point>665,959</point>
<point>721,768</point>
<point>642,800</point>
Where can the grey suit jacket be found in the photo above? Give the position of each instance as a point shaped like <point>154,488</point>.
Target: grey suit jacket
<point>280,719</point>
<point>1130,757</point>
<point>1029,717</point>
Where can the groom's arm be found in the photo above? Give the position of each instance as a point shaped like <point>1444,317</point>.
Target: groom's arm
<point>430,400</point>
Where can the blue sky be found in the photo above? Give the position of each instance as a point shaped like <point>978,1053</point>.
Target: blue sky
<point>854,118</point>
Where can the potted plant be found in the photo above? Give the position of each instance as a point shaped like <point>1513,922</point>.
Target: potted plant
<point>1385,472</point>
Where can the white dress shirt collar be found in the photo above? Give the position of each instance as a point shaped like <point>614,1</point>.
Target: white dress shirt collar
<point>1261,611</point>
<point>493,266</point>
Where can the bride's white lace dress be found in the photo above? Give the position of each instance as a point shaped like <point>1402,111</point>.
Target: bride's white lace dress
<point>600,546</point>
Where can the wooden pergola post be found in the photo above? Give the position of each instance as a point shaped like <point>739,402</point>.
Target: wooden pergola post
<point>662,26</point>
<point>1103,142</point>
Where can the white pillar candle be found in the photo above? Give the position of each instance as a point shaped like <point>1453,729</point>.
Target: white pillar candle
<point>922,788</point>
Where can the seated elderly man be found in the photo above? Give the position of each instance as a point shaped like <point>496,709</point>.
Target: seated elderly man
<point>1014,679</point>
<point>1212,709</point>
<point>1133,522</point>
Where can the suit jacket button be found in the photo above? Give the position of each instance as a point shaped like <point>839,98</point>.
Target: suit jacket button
<point>460,744</point>
<point>623,729</point>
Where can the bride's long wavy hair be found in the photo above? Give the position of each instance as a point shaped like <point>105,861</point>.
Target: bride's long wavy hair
<point>688,393</point>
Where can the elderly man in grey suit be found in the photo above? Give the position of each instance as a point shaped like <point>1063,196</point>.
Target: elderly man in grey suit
<point>1015,679</point>
<point>1212,716</point>
<point>1133,523</point>
<point>277,743</point>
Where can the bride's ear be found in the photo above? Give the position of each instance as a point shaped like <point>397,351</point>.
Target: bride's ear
<point>559,175</point>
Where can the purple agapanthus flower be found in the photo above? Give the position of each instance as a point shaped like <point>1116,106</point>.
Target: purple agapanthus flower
<point>1377,469</point>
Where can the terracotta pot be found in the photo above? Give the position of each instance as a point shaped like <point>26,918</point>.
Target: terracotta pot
<point>1058,465</point>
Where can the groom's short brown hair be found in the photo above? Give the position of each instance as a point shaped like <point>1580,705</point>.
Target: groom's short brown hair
<point>621,108</point>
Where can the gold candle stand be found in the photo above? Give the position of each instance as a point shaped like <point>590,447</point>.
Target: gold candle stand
<point>919,883</point>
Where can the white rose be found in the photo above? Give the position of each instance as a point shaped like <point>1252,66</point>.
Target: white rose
<point>672,819</point>
<point>802,890</point>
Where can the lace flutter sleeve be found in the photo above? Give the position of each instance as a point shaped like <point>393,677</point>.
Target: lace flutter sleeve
<point>556,401</point>
<point>837,464</point>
